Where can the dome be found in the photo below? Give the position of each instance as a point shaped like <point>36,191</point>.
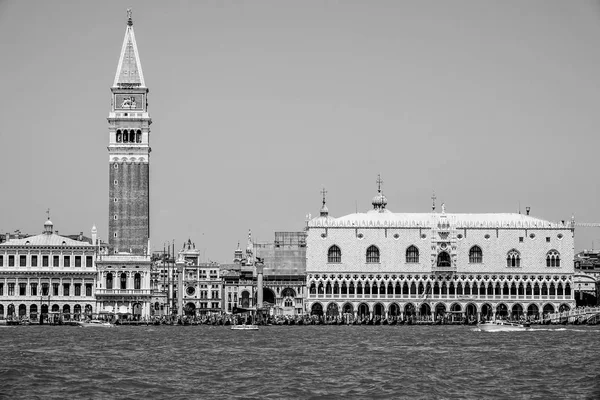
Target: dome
<point>324,211</point>
<point>379,201</point>
<point>48,223</point>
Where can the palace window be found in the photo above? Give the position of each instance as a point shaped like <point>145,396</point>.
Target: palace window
<point>475,255</point>
<point>1,260</point>
<point>123,280</point>
<point>45,289</point>
<point>88,289</point>
<point>67,261</point>
<point>55,261</point>
<point>66,289</point>
<point>138,136</point>
<point>78,261</point>
<point>33,289</point>
<point>119,136</point>
<point>78,289</point>
<point>334,255</point>
<point>88,261</point>
<point>513,259</point>
<point>443,259</point>
<point>412,255</point>
<point>55,289</point>
<point>22,289</point>
<point>45,261</point>
<point>11,289</point>
<point>137,281</point>
<point>11,261</point>
<point>372,254</point>
<point>553,259</point>
<point>22,261</point>
<point>109,280</point>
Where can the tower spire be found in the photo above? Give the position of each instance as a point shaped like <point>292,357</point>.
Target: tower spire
<point>129,70</point>
<point>433,201</point>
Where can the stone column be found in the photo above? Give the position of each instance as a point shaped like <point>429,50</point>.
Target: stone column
<point>259,285</point>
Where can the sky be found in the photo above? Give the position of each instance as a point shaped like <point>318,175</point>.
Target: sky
<point>258,105</point>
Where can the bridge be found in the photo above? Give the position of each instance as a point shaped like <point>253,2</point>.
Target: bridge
<point>584,315</point>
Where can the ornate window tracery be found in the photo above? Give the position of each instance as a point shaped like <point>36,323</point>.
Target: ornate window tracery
<point>475,255</point>
<point>553,259</point>
<point>334,254</point>
<point>372,254</point>
<point>513,259</point>
<point>412,254</point>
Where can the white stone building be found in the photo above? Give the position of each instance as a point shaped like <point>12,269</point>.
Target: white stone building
<point>47,277</point>
<point>437,265</point>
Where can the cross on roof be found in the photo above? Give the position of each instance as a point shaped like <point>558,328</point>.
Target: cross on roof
<point>433,201</point>
<point>48,214</point>
<point>323,192</point>
<point>379,182</point>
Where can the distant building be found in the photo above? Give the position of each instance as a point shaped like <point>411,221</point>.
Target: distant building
<point>48,277</point>
<point>200,286</point>
<point>438,264</point>
<point>284,275</point>
<point>586,281</point>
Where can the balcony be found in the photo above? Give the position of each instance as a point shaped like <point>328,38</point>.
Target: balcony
<point>123,292</point>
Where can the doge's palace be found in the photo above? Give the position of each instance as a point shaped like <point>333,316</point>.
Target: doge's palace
<point>380,264</point>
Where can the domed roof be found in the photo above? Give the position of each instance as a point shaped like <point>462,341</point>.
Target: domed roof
<point>324,211</point>
<point>48,223</point>
<point>379,201</point>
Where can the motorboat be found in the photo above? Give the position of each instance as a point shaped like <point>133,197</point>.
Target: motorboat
<point>96,323</point>
<point>244,327</point>
<point>502,326</point>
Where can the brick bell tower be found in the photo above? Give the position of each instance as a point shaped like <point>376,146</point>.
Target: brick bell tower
<point>129,154</point>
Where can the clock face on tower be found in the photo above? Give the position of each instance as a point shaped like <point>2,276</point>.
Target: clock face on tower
<point>128,102</point>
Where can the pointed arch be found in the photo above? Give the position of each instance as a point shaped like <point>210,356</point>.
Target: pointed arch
<point>373,254</point>
<point>513,258</point>
<point>412,254</point>
<point>334,254</point>
<point>553,259</point>
<point>475,255</point>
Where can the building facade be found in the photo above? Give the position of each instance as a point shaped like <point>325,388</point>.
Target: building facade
<point>124,270</point>
<point>200,287</point>
<point>437,265</point>
<point>47,277</point>
<point>586,281</point>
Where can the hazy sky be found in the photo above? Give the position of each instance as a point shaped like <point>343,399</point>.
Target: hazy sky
<point>257,104</point>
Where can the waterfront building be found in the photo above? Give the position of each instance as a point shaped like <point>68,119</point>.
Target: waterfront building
<point>284,272</point>
<point>438,264</point>
<point>48,277</point>
<point>586,280</point>
<point>124,270</point>
<point>283,263</point>
<point>200,285</point>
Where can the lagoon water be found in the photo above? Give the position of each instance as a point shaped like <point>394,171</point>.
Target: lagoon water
<point>183,362</point>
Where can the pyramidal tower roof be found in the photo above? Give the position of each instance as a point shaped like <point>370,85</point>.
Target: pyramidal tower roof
<point>129,70</point>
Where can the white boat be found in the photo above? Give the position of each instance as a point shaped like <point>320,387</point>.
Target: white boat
<point>96,323</point>
<point>244,327</point>
<point>502,326</point>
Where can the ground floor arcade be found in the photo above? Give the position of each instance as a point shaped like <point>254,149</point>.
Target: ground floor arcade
<point>453,311</point>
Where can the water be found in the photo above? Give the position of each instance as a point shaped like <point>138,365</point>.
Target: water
<point>299,362</point>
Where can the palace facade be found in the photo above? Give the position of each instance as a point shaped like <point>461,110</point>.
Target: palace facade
<point>434,265</point>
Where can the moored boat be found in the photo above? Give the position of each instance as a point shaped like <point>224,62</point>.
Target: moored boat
<point>96,323</point>
<point>244,327</point>
<point>502,326</point>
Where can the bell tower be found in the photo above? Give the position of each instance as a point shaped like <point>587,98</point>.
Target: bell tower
<point>129,154</point>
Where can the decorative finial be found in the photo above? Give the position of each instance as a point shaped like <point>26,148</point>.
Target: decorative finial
<point>129,20</point>
<point>443,208</point>
<point>48,214</point>
<point>379,182</point>
<point>433,201</point>
<point>323,192</point>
